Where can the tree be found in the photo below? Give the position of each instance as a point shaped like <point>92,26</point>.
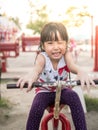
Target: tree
<point>16,21</point>
<point>41,18</point>
<point>75,16</point>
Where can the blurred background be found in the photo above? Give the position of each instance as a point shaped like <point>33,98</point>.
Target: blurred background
<point>27,17</point>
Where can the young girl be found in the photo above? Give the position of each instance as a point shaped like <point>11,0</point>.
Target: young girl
<point>53,63</point>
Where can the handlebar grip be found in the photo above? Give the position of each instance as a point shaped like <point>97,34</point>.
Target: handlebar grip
<point>13,86</point>
<point>95,81</point>
<point>79,83</point>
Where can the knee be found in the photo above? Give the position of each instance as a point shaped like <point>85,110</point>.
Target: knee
<point>72,92</point>
<point>69,92</point>
<point>70,96</point>
<point>74,95</point>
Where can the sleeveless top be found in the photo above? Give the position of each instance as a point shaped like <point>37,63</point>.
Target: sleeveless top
<point>49,74</point>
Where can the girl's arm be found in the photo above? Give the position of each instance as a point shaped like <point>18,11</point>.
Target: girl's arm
<point>70,63</point>
<point>33,75</point>
<point>81,74</point>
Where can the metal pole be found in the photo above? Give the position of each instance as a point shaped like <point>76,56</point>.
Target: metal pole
<point>92,36</point>
<point>0,76</point>
<point>96,50</point>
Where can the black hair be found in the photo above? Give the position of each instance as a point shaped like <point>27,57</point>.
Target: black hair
<point>49,33</point>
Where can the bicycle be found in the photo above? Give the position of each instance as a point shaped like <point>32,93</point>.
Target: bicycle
<point>55,113</point>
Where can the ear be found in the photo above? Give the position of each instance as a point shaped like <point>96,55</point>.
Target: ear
<point>41,46</point>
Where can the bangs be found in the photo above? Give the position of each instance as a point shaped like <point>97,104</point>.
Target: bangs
<point>51,36</point>
<point>51,30</point>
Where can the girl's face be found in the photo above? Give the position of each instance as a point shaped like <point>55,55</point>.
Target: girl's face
<point>55,49</point>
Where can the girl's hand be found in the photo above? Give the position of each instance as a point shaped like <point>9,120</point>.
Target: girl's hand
<point>86,80</point>
<point>33,75</point>
<point>23,80</point>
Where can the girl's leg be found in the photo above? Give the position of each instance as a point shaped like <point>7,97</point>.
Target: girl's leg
<point>71,98</point>
<point>40,103</point>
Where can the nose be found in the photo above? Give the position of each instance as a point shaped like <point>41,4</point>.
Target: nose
<point>55,45</point>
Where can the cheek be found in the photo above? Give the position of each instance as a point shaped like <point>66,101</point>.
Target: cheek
<point>48,47</point>
<point>64,49</point>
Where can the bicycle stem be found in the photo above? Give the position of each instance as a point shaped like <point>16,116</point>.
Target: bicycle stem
<point>57,100</point>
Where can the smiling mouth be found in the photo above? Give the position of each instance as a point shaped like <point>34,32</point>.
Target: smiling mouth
<point>56,54</point>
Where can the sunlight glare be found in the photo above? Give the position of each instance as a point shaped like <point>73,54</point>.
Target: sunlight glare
<point>56,8</point>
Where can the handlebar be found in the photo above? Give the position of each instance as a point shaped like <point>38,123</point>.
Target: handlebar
<point>47,84</point>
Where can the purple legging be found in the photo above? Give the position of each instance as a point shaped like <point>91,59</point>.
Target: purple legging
<point>43,100</point>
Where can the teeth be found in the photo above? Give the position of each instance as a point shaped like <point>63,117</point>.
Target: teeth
<point>56,53</point>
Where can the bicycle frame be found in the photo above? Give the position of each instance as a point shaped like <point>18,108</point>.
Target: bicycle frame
<point>55,115</point>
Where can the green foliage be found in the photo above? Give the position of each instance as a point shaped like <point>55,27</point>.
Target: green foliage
<point>42,19</point>
<point>4,103</point>
<point>91,103</point>
<point>36,26</point>
<point>76,15</point>
<point>16,21</point>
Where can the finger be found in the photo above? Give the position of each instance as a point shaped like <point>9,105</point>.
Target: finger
<point>92,83</point>
<point>88,83</point>
<point>29,86</point>
<point>22,84</point>
<point>82,84</point>
<point>18,82</point>
<point>88,86</point>
<point>85,85</point>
